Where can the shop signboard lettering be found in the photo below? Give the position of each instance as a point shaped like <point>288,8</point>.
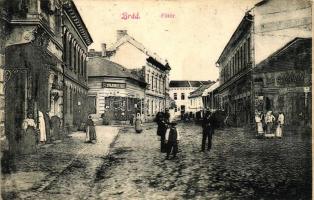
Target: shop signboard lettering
<point>113,85</point>
<point>290,77</point>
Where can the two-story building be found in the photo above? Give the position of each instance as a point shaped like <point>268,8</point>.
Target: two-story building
<point>76,40</point>
<point>133,55</point>
<point>180,91</point>
<point>38,50</point>
<point>267,27</point>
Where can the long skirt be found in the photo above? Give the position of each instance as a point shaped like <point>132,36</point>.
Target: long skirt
<point>260,130</point>
<point>269,128</point>
<point>87,138</point>
<point>92,133</point>
<point>279,131</point>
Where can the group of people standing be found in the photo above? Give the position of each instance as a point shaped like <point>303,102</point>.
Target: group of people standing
<point>169,135</point>
<point>38,129</point>
<point>268,125</point>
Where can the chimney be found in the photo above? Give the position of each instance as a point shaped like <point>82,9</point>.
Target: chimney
<point>121,33</point>
<point>103,49</point>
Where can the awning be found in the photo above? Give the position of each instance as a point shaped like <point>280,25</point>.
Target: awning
<point>210,89</point>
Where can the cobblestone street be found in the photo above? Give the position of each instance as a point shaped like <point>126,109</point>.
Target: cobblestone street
<point>238,167</point>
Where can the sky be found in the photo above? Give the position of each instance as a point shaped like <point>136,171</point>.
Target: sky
<point>191,39</point>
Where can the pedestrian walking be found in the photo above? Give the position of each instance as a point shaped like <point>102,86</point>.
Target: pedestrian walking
<point>280,123</point>
<point>208,129</point>
<point>42,128</point>
<point>259,125</point>
<point>138,123</point>
<point>269,119</point>
<point>90,130</point>
<point>161,131</point>
<point>172,140</point>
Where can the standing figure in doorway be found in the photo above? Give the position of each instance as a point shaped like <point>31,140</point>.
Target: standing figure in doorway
<point>42,128</point>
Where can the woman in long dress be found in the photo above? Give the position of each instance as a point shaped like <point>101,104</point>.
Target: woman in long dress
<point>90,130</point>
<point>259,125</point>
<point>269,119</point>
<point>280,122</point>
<point>42,128</point>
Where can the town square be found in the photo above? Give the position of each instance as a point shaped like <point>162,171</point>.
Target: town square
<point>156,99</point>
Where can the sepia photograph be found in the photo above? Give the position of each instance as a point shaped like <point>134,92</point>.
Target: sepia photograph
<point>156,99</point>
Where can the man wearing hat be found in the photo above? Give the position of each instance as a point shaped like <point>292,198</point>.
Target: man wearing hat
<point>172,140</point>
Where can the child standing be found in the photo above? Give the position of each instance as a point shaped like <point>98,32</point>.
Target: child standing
<point>172,140</point>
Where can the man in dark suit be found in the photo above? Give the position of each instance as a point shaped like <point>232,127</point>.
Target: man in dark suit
<point>207,125</point>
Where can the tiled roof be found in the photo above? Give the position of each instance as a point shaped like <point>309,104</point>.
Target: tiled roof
<point>98,66</point>
<point>297,54</point>
<point>187,83</point>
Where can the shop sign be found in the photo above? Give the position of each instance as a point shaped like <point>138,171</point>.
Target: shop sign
<point>290,77</point>
<point>113,85</point>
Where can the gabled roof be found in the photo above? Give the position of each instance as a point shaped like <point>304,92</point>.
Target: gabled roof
<point>187,83</point>
<point>296,54</point>
<point>101,67</point>
<point>73,13</point>
<point>126,38</point>
<point>199,91</point>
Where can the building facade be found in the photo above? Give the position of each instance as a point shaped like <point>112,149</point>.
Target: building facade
<point>196,99</point>
<point>135,56</point>
<point>76,40</point>
<point>180,91</point>
<point>263,30</point>
<point>33,55</point>
<point>283,83</point>
<point>34,67</point>
<point>209,95</point>
<point>115,92</point>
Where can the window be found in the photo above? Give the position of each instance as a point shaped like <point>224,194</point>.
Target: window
<point>175,96</point>
<point>182,96</point>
